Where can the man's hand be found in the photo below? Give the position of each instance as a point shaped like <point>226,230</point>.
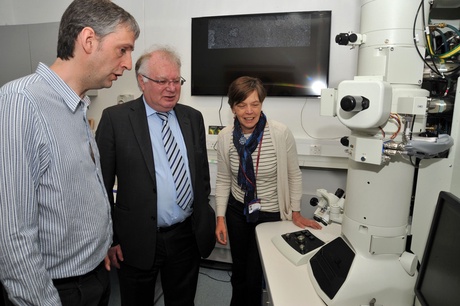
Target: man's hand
<point>114,255</point>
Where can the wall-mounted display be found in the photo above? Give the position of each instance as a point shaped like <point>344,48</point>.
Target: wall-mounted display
<point>289,52</point>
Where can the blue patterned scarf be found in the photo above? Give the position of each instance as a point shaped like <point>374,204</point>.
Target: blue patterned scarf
<point>246,175</point>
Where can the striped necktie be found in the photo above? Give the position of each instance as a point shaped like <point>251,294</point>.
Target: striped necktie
<point>177,164</point>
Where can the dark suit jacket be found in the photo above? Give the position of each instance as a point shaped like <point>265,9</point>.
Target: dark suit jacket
<point>126,153</point>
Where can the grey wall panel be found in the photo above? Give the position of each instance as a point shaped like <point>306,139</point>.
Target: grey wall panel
<point>43,43</point>
<point>14,52</point>
<point>24,46</point>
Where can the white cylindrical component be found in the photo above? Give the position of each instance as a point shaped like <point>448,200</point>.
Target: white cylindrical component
<point>438,106</point>
<point>390,22</point>
<point>379,187</point>
<point>378,202</point>
<point>409,262</point>
<point>389,49</point>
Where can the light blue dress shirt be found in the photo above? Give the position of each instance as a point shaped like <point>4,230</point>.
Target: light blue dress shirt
<point>169,212</point>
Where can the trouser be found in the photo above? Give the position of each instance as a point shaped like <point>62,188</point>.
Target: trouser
<point>3,296</point>
<point>91,289</point>
<point>247,274</point>
<point>177,260</point>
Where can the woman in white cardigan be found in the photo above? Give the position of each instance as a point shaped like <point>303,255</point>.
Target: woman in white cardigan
<point>258,180</point>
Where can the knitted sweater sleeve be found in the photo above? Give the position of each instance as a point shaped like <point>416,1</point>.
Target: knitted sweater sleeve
<point>289,174</point>
<point>224,174</point>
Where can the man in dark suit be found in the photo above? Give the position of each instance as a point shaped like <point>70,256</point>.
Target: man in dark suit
<point>157,226</point>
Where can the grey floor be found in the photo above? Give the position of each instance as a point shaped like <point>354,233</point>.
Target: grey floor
<point>214,288</point>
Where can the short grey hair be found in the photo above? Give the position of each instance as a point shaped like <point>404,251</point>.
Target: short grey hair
<point>141,64</point>
<point>103,16</point>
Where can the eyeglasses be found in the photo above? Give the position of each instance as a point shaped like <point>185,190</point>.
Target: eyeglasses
<point>180,81</point>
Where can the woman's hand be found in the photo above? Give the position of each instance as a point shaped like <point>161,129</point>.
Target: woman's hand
<point>302,222</point>
<point>221,230</point>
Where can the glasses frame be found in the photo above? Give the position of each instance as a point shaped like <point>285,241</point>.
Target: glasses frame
<point>165,83</point>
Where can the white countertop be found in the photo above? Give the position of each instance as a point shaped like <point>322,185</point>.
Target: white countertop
<point>288,284</point>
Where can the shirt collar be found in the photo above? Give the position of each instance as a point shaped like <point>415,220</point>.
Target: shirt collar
<point>70,97</point>
<point>150,111</point>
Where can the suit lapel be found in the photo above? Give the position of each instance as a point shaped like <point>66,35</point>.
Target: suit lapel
<point>138,118</point>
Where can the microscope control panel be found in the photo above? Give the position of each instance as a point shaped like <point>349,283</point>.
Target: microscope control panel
<point>297,246</point>
<point>302,241</point>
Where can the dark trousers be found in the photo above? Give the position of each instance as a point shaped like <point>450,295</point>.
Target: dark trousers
<point>91,289</point>
<point>3,296</point>
<point>177,260</point>
<point>247,274</point>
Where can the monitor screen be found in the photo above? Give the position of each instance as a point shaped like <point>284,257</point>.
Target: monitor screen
<point>438,281</point>
<point>289,52</point>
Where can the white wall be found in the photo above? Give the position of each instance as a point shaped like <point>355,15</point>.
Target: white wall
<point>15,12</point>
<point>169,22</point>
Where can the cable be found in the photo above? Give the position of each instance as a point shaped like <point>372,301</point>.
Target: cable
<point>430,40</point>
<point>216,279</point>
<point>426,39</point>
<point>450,53</point>
<point>444,40</point>
<point>382,131</point>
<point>158,298</point>
<point>453,29</point>
<point>220,109</point>
<point>301,121</point>
<point>414,38</point>
<point>397,118</point>
<point>306,132</point>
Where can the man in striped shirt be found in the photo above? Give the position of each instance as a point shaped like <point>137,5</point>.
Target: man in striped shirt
<point>55,225</point>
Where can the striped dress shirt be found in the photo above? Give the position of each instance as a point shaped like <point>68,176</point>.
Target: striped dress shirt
<point>54,211</point>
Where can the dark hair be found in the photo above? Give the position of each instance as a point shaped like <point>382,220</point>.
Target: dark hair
<point>242,87</point>
<point>103,16</point>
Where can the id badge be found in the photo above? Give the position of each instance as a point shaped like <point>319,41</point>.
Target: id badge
<point>254,206</point>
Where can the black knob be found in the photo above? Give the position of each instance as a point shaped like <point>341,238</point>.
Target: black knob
<point>354,103</point>
<point>345,141</point>
<point>339,193</point>
<point>353,37</point>
<point>314,201</point>
<point>342,39</point>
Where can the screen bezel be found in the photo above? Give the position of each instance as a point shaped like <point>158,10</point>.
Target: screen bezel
<point>447,203</point>
<point>213,71</point>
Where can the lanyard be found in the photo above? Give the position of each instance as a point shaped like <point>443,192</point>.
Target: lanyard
<point>257,167</point>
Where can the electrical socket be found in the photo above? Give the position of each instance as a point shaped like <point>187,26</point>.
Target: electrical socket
<point>211,144</point>
<point>211,141</point>
<point>315,149</point>
<point>215,129</point>
<point>124,98</point>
